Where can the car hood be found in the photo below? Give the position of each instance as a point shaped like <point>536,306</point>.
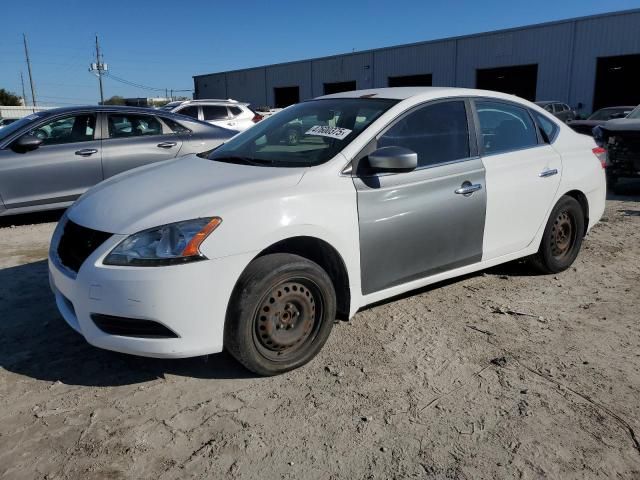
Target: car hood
<point>622,125</point>
<point>180,189</point>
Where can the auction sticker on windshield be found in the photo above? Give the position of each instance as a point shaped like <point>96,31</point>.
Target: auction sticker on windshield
<point>331,132</point>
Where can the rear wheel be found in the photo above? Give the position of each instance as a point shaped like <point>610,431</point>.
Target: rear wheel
<point>281,313</point>
<point>562,237</point>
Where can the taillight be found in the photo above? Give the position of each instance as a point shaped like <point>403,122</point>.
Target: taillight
<point>256,118</point>
<point>601,153</point>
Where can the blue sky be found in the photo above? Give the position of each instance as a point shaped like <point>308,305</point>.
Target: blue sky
<point>161,44</point>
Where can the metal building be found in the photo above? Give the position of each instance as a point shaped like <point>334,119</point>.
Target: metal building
<point>587,62</point>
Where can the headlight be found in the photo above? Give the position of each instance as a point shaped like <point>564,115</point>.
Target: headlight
<point>170,244</point>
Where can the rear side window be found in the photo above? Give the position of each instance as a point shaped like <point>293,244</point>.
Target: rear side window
<point>214,112</point>
<point>175,126</point>
<point>505,127</point>
<point>549,128</point>
<point>189,112</point>
<point>438,133</point>
<point>235,111</point>
<point>128,125</point>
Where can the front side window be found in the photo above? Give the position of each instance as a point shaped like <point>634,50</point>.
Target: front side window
<point>130,125</point>
<point>305,134</point>
<point>235,111</point>
<point>214,112</point>
<point>72,129</point>
<point>438,133</point>
<point>505,127</point>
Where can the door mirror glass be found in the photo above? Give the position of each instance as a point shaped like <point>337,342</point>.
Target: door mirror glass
<point>27,143</point>
<point>393,159</point>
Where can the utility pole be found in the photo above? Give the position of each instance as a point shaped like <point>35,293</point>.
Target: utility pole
<point>99,66</point>
<point>24,95</point>
<point>26,53</point>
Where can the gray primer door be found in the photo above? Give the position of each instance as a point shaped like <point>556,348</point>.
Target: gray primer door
<point>64,167</point>
<point>414,224</point>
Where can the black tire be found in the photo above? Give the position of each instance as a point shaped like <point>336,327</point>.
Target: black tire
<point>562,237</point>
<point>281,313</point>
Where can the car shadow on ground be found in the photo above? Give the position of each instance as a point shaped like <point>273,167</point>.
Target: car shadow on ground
<point>35,341</point>
<point>31,218</point>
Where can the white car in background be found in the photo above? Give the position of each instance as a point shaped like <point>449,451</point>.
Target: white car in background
<point>229,114</point>
<point>261,246</point>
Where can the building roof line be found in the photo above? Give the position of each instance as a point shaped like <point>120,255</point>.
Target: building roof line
<point>427,42</point>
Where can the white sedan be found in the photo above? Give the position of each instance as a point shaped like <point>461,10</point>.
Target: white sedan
<point>258,248</point>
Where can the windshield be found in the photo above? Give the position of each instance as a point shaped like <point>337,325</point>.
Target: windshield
<point>10,129</point>
<point>635,113</point>
<point>607,113</point>
<point>306,134</point>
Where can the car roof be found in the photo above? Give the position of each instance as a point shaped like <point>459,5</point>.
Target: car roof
<point>105,108</point>
<point>621,107</point>
<point>404,93</point>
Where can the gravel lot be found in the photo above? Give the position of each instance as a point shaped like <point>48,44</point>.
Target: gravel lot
<point>502,374</point>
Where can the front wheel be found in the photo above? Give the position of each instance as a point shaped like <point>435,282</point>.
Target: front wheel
<point>562,237</point>
<point>281,313</point>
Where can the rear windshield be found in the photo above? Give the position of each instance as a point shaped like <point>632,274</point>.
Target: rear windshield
<point>306,134</point>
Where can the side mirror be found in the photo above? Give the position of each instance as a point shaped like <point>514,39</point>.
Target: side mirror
<point>27,143</point>
<point>393,159</point>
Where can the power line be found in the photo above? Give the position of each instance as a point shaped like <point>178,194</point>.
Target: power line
<point>141,86</point>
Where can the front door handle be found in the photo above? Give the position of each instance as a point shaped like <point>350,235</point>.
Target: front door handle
<point>468,188</point>
<point>548,173</point>
<point>167,144</point>
<point>86,152</point>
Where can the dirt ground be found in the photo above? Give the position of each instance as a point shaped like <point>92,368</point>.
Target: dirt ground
<point>502,374</point>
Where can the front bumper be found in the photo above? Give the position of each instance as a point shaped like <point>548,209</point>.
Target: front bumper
<point>190,299</point>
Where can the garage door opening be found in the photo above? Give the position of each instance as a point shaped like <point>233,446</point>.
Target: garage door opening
<point>617,81</point>
<point>520,80</point>
<point>422,80</point>
<point>285,96</point>
<point>338,87</point>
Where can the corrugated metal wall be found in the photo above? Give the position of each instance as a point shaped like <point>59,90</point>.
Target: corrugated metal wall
<point>600,37</point>
<point>549,47</point>
<point>436,58</point>
<point>566,53</point>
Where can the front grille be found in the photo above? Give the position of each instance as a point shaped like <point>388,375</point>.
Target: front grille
<point>131,327</point>
<point>625,150</point>
<point>77,243</point>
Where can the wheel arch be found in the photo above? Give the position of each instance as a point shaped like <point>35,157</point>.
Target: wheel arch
<point>325,255</point>
<point>581,198</point>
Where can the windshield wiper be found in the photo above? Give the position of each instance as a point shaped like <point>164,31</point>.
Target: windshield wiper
<point>244,160</point>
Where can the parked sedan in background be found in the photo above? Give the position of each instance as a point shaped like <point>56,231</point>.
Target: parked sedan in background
<point>222,113</point>
<point>559,110</point>
<point>258,248</point>
<point>48,159</point>
<point>599,117</point>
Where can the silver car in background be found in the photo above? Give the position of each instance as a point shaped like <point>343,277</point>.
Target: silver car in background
<point>50,158</point>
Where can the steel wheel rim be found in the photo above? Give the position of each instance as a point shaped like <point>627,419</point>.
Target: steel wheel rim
<point>288,318</point>
<point>563,235</point>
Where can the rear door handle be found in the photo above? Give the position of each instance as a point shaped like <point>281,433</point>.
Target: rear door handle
<point>167,144</point>
<point>86,152</point>
<point>468,188</point>
<point>548,173</point>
